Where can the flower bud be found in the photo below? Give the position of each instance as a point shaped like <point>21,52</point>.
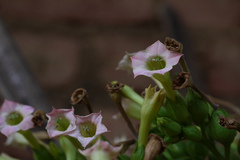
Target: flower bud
<point>197,107</point>
<point>131,108</point>
<point>168,126</point>
<point>177,110</point>
<point>151,105</point>
<point>162,112</point>
<point>192,133</point>
<point>177,150</point>
<point>218,132</point>
<point>129,93</point>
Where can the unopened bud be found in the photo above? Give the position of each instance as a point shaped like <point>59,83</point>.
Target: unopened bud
<point>172,139</point>
<point>177,110</point>
<point>196,148</point>
<point>192,133</point>
<point>155,146</point>
<point>168,126</point>
<point>197,106</point>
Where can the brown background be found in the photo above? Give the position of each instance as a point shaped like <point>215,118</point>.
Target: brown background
<point>69,44</point>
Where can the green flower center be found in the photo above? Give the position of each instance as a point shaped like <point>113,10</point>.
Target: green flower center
<point>155,63</point>
<point>61,123</point>
<point>14,118</point>
<point>88,129</point>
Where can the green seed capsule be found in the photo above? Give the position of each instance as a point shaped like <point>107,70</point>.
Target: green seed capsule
<point>197,106</point>
<point>177,150</point>
<point>177,110</point>
<point>192,133</point>
<point>195,148</point>
<point>168,126</point>
<point>162,112</point>
<point>171,139</point>
<point>218,132</point>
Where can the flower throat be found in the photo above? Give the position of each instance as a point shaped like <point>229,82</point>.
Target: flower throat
<point>155,63</point>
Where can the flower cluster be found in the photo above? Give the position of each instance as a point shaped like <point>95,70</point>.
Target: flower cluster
<point>170,125</point>
<point>15,117</point>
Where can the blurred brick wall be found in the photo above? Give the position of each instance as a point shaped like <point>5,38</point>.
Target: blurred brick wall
<point>71,44</point>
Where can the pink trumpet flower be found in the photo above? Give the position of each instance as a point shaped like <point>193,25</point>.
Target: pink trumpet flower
<point>60,122</point>
<point>88,128</point>
<point>156,59</point>
<point>15,117</point>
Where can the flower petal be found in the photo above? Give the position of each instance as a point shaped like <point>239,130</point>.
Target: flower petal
<point>7,130</point>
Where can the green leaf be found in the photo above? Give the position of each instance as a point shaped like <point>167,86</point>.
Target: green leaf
<point>68,148</point>
<point>42,153</point>
<point>56,152</point>
<point>138,153</point>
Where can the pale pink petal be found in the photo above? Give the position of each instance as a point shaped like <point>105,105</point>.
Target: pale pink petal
<point>2,121</point>
<point>25,110</point>
<point>103,146</point>
<point>141,55</point>
<point>8,106</point>
<point>173,58</point>
<point>156,49</point>
<point>26,123</point>
<point>7,130</point>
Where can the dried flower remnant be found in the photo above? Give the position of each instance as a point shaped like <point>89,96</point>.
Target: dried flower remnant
<point>154,147</point>
<point>88,128</point>
<point>114,87</point>
<point>15,117</point>
<point>101,150</point>
<point>156,59</point>
<point>229,123</point>
<point>173,45</point>
<point>60,122</point>
<point>38,118</point>
<point>80,96</point>
<point>181,81</point>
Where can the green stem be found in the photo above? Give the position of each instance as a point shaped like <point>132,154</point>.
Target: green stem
<point>127,120</point>
<point>143,131</point>
<point>166,83</point>
<point>227,150</point>
<point>184,65</point>
<point>129,93</point>
<point>30,138</point>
